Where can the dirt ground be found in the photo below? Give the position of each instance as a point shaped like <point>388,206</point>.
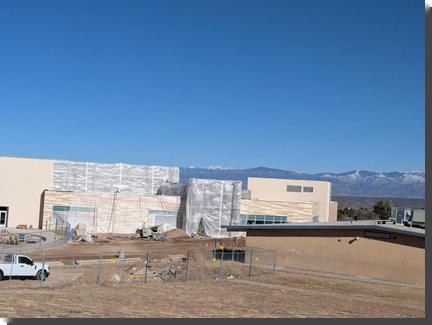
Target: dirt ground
<point>134,247</point>
<point>72,291</point>
<point>280,296</point>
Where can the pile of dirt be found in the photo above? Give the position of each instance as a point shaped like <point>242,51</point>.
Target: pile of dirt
<point>176,234</point>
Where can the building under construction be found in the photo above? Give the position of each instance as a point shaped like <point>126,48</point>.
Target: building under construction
<point>119,198</point>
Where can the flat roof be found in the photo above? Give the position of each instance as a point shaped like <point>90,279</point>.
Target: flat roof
<point>291,179</point>
<point>339,225</point>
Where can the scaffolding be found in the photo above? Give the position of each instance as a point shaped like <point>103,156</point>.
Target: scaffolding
<point>211,204</point>
<point>109,178</point>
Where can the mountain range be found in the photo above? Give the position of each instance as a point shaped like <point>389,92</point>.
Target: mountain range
<point>402,184</point>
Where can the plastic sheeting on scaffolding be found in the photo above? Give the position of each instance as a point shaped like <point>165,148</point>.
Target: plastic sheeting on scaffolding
<point>119,213</point>
<point>211,204</point>
<point>109,178</point>
<point>173,189</point>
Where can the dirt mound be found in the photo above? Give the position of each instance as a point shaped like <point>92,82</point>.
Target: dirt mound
<point>176,234</point>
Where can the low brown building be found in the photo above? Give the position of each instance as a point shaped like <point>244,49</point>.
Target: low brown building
<point>363,249</point>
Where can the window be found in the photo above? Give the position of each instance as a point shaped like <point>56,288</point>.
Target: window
<point>25,260</point>
<point>269,220</point>
<point>7,258</point>
<point>293,188</point>
<point>263,219</point>
<point>157,217</point>
<point>308,189</point>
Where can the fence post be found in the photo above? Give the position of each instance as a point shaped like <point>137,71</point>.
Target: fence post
<point>55,233</point>
<point>99,269</point>
<point>42,278</point>
<point>275,259</point>
<point>232,253</point>
<point>187,265</point>
<point>146,267</point>
<point>221,261</point>
<point>250,263</point>
<point>14,256</point>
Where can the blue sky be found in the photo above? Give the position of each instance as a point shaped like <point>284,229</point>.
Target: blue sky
<point>302,85</point>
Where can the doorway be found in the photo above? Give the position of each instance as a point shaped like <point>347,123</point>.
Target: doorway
<point>4,217</point>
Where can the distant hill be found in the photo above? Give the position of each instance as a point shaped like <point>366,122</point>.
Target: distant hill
<point>356,202</point>
<point>359,183</point>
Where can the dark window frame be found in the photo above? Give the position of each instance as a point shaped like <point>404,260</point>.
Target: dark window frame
<point>294,188</point>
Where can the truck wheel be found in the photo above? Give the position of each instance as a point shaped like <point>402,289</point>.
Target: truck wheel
<point>39,275</point>
<point>1,275</point>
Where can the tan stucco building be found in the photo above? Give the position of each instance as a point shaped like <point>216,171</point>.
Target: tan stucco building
<point>388,252</point>
<point>294,190</point>
<point>22,182</point>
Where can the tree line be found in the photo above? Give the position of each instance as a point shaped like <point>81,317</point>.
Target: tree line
<point>381,210</point>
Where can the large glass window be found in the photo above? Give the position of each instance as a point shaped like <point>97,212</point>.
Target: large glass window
<point>263,219</point>
<point>308,189</point>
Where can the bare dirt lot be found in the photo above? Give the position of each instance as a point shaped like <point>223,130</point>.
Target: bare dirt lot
<point>227,298</point>
<point>72,291</point>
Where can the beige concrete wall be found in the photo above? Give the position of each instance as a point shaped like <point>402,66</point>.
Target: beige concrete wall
<point>22,182</point>
<point>294,211</point>
<point>273,189</point>
<point>130,211</point>
<point>362,257</point>
<point>50,199</point>
<point>333,211</point>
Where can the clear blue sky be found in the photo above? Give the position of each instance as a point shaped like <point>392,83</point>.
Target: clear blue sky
<point>315,86</point>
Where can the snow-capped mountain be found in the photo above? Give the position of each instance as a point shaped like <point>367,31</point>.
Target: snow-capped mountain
<point>404,184</point>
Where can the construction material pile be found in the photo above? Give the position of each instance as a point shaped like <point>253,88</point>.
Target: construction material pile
<point>176,234</point>
<point>164,269</point>
<point>80,233</point>
<point>8,238</point>
<point>211,204</point>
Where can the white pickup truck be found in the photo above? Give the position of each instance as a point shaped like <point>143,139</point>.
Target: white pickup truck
<point>21,266</point>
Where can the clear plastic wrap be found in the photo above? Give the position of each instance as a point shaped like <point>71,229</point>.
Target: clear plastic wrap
<point>211,204</point>
<point>109,178</point>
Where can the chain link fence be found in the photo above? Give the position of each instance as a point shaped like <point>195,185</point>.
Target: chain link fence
<point>67,270</point>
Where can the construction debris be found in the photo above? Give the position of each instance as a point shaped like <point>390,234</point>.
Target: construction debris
<point>8,238</point>
<point>155,272</point>
<point>80,233</point>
